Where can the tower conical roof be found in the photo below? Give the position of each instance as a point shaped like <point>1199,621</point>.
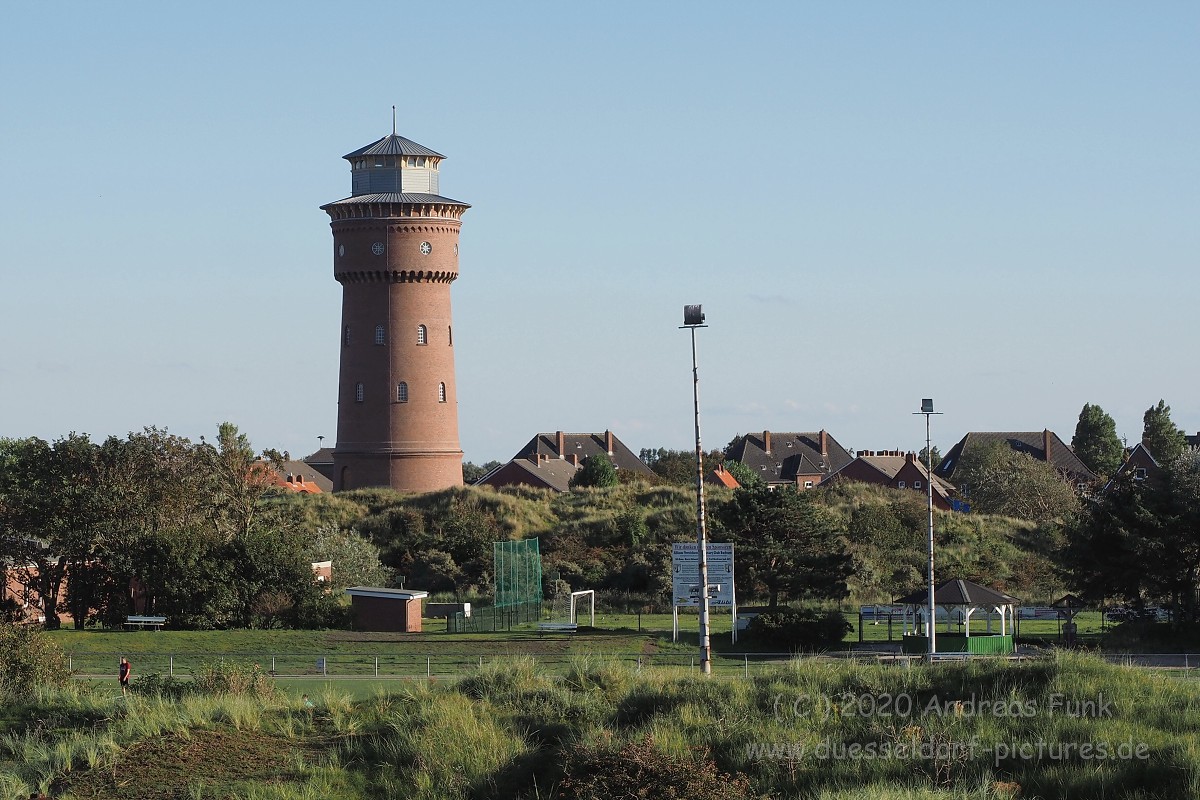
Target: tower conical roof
<point>393,145</point>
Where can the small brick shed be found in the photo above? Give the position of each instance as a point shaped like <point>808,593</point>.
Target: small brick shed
<point>377,609</point>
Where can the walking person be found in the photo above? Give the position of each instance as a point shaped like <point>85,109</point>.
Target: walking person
<point>126,669</point>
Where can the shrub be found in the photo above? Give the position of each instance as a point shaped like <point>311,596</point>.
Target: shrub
<point>800,628</point>
<point>224,677</point>
<point>28,660</point>
<point>154,684</point>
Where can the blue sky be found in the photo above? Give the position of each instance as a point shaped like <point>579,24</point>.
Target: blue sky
<point>994,205</point>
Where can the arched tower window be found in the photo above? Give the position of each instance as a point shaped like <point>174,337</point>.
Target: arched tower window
<point>358,393</point>
<point>346,336</point>
<point>380,338</point>
<point>422,335</point>
<point>401,392</point>
<point>441,392</point>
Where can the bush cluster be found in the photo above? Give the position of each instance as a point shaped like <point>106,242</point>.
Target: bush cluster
<point>29,660</point>
<point>799,628</point>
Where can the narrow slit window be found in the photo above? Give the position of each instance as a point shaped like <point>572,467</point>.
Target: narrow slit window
<point>450,335</point>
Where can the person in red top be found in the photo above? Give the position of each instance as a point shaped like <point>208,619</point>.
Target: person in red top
<point>126,668</point>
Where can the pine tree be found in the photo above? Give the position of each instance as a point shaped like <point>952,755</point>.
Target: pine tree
<point>1096,441</point>
<point>1162,438</point>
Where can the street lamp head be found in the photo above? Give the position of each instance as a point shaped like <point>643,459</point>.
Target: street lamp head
<point>927,405</point>
<point>692,315</point>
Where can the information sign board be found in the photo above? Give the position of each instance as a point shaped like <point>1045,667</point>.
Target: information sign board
<point>685,574</point>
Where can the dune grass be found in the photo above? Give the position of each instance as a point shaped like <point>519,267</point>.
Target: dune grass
<point>1064,726</point>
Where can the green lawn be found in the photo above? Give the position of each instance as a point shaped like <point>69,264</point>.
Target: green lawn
<point>321,655</point>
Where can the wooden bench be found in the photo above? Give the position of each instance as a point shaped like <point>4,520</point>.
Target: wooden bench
<point>143,622</point>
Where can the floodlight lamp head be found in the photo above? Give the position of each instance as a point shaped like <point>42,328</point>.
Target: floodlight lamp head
<point>927,405</point>
<point>692,315</point>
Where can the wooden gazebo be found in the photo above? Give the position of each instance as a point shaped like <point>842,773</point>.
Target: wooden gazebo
<point>964,599</point>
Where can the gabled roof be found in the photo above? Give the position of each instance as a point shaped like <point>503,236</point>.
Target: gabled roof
<point>548,473</point>
<point>959,593</point>
<point>1034,443</point>
<point>393,145</point>
<point>566,446</point>
<point>322,456</point>
<point>1139,458</point>
<point>720,476</point>
<point>889,466</point>
<point>302,477</point>
<point>780,457</point>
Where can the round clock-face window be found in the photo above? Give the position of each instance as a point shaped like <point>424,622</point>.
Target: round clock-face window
<point>377,248</point>
<point>426,248</point>
<point>341,249</point>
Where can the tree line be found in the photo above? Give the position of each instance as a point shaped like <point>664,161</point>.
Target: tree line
<point>155,522</point>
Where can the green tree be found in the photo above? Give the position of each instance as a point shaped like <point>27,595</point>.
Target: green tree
<point>1096,441</point>
<point>156,483</point>
<point>238,480</point>
<point>997,479</point>
<point>678,466</point>
<point>937,456</point>
<point>742,474</point>
<point>355,559</point>
<point>473,472</point>
<point>1138,540</point>
<point>786,544</point>
<point>596,471</point>
<point>1165,441</point>
<point>53,512</point>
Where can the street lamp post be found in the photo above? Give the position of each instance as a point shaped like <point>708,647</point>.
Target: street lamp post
<point>931,621</point>
<point>693,318</point>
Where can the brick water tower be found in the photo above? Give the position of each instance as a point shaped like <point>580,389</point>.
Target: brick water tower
<point>395,253</point>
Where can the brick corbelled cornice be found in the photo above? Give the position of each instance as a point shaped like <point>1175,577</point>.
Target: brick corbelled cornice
<point>394,211</point>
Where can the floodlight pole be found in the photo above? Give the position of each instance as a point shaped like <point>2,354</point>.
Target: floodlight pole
<point>693,318</point>
<point>931,622</point>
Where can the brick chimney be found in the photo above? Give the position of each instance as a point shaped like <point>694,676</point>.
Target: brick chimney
<point>767,442</point>
<point>824,443</point>
<point>561,443</point>
<point>608,442</point>
<point>1046,445</point>
<point>910,458</point>
<point>575,459</point>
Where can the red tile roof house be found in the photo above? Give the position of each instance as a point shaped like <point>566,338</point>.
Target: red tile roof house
<point>1043,445</point>
<point>550,460</point>
<point>799,459</point>
<point>895,470</point>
